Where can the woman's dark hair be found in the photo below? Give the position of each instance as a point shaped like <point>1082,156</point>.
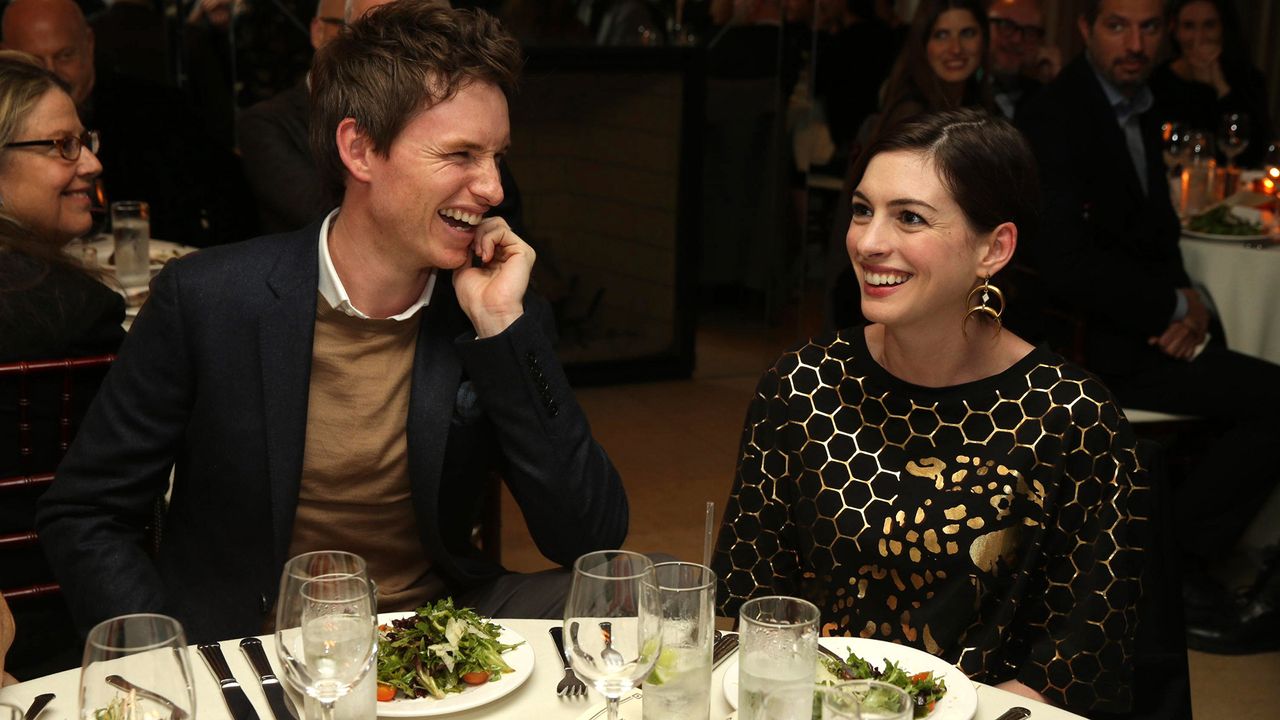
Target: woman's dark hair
<point>1235,53</point>
<point>913,79</point>
<point>984,163</point>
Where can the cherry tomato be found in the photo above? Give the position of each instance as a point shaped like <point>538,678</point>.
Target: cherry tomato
<point>386,693</point>
<point>919,677</point>
<point>476,678</point>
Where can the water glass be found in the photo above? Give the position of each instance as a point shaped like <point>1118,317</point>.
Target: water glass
<point>778,649</point>
<point>679,688</point>
<point>613,622</point>
<point>131,231</point>
<point>136,666</point>
<point>326,625</point>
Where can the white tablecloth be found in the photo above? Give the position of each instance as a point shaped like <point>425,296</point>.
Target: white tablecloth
<point>1245,284</point>
<point>536,699</point>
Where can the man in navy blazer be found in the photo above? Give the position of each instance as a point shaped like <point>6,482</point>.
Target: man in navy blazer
<point>232,360</point>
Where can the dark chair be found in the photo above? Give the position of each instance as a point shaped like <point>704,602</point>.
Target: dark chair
<point>41,403</point>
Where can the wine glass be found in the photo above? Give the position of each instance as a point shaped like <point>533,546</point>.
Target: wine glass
<point>1271,179</point>
<point>10,712</point>
<point>1176,144</point>
<point>1233,136</point>
<point>613,622</point>
<point>136,666</point>
<point>326,625</point>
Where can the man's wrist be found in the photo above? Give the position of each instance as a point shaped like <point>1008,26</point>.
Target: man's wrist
<point>491,324</point>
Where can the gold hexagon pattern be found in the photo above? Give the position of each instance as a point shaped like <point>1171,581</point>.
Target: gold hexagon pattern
<point>991,524</point>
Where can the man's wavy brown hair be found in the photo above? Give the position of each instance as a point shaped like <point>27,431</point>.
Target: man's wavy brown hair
<point>398,60</point>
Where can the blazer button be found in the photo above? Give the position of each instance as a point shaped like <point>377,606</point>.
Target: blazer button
<point>263,607</point>
<point>553,408</point>
<point>531,358</point>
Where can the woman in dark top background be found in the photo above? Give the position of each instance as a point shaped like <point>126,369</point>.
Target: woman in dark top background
<point>1210,74</point>
<point>50,308</point>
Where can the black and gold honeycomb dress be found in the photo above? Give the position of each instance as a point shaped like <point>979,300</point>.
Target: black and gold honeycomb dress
<point>989,523</point>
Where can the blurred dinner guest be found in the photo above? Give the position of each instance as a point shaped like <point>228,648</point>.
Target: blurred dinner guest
<point>1210,74</point>
<point>351,385</point>
<point>1109,255</point>
<point>154,146</point>
<point>50,308</point>
<point>1020,63</point>
<point>930,479</point>
<point>274,145</point>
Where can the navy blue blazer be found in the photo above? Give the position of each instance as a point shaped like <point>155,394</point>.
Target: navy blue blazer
<point>1104,248</point>
<point>214,378</point>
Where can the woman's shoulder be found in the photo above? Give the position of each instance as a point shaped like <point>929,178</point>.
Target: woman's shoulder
<point>57,311</point>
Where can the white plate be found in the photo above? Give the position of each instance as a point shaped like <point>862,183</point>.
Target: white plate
<point>1264,237</point>
<point>960,702</point>
<point>161,251</point>
<point>520,660</point>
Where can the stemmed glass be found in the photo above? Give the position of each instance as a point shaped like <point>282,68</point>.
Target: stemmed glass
<point>1176,144</point>
<point>10,712</point>
<point>1233,136</point>
<point>136,666</point>
<point>613,622</point>
<point>326,625</point>
<point>1271,179</point>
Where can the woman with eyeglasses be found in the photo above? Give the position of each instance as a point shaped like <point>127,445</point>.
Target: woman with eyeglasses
<point>50,308</point>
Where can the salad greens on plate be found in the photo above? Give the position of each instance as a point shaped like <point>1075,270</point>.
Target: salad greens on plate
<point>925,689</point>
<point>438,650</point>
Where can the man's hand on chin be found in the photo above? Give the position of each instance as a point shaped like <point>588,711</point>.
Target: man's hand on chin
<point>492,295</point>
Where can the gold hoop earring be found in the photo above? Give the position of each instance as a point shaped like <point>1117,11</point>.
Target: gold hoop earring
<point>982,304</point>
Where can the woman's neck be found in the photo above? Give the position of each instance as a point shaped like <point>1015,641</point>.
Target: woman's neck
<point>941,357</point>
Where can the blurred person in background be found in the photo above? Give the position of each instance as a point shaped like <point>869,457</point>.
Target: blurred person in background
<point>1020,63</point>
<point>1210,74</point>
<point>154,145</point>
<point>50,308</point>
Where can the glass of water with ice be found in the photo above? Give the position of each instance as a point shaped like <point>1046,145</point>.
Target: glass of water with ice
<point>679,687</point>
<point>131,231</point>
<point>779,649</point>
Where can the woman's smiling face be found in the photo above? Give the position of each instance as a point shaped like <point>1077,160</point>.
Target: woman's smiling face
<point>954,48</point>
<point>913,250</point>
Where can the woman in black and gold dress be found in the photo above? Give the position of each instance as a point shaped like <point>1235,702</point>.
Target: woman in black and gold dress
<point>930,479</point>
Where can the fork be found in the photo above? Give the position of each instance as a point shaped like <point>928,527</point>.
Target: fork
<point>570,685</point>
<point>175,712</point>
<point>846,672</point>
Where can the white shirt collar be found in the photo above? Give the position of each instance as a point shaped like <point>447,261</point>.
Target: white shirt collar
<point>334,293</point>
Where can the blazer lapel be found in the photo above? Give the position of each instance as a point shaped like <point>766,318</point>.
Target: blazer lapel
<point>437,373</point>
<point>285,334</point>
<point>1110,137</point>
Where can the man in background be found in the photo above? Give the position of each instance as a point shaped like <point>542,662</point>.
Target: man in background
<point>1019,60</point>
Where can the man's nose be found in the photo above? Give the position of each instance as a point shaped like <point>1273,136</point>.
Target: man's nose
<point>488,184</point>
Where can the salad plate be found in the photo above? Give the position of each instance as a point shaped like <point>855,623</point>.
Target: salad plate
<point>1217,237</point>
<point>520,659</point>
<point>960,702</point>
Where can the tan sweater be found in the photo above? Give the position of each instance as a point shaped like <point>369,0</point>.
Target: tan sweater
<point>355,492</point>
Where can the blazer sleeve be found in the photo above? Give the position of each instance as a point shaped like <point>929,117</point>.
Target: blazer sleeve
<point>91,520</point>
<point>567,488</point>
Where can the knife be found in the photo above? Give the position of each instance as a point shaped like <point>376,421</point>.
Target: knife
<point>280,708</point>
<point>37,706</point>
<point>237,702</point>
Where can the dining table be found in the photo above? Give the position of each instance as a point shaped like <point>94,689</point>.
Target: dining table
<point>535,698</point>
<point>1243,279</point>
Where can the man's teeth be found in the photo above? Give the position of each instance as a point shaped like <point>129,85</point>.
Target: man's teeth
<point>466,217</point>
<point>886,278</point>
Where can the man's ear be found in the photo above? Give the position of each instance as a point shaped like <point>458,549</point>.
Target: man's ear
<point>1083,24</point>
<point>354,148</point>
<point>1003,241</point>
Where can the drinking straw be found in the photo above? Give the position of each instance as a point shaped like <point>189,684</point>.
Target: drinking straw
<point>706,541</point>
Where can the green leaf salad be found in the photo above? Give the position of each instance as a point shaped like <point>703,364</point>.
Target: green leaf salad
<point>439,650</point>
<point>925,689</point>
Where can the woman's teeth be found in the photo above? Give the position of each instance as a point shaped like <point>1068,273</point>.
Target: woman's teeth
<point>466,217</point>
<point>886,278</point>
